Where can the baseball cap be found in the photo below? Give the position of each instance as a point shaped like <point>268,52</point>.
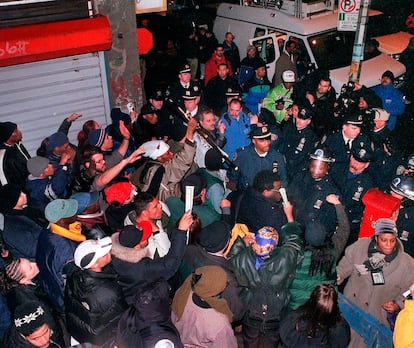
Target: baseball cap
<point>89,251</point>
<point>60,208</point>
<point>85,199</point>
<point>288,76</point>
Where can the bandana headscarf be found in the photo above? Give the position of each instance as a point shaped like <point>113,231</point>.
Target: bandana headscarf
<point>266,240</point>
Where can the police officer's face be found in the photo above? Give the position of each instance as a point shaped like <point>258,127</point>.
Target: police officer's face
<point>157,104</point>
<point>318,169</point>
<point>302,124</point>
<point>323,87</point>
<point>190,104</point>
<point>356,167</point>
<point>351,131</point>
<point>261,145</point>
<point>185,77</point>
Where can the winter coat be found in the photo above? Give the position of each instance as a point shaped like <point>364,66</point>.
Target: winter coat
<point>135,268</point>
<point>304,283</point>
<point>167,175</point>
<point>254,91</point>
<point>196,256</point>
<point>204,327</point>
<point>54,253</point>
<point>13,168</point>
<point>265,291</point>
<point>398,277</point>
<point>94,303</point>
<point>257,211</point>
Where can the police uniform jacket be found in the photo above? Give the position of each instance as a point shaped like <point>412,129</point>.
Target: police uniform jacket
<point>250,163</point>
<point>405,226</point>
<point>296,146</point>
<point>309,199</point>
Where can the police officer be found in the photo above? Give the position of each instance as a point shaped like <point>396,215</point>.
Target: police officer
<point>177,89</point>
<point>340,143</point>
<point>403,187</point>
<point>259,155</point>
<point>355,184</point>
<point>299,141</point>
<point>308,190</point>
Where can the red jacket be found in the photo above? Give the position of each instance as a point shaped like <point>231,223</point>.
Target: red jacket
<point>211,67</point>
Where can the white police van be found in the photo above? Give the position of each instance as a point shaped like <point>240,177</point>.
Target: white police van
<point>268,23</point>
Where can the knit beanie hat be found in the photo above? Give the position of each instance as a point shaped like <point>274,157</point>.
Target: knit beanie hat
<point>55,140</point>
<point>384,226</point>
<point>9,195</point>
<point>96,137</point>
<point>28,317</point>
<point>215,236</point>
<point>6,129</point>
<point>36,165</point>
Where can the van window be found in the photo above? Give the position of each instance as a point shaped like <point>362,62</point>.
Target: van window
<point>333,50</point>
<point>259,32</point>
<point>266,49</point>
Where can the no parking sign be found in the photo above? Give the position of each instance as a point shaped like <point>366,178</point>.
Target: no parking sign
<point>348,15</point>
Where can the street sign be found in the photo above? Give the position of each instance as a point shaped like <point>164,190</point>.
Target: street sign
<point>348,15</point>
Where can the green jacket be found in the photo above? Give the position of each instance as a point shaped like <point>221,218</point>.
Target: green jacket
<point>265,291</point>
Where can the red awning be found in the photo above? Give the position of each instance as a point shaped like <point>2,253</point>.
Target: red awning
<point>31,43</point>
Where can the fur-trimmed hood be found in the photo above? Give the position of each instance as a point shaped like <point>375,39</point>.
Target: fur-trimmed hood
<point>127,254</point>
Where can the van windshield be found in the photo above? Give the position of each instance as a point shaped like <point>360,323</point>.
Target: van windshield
<point>333,50</point>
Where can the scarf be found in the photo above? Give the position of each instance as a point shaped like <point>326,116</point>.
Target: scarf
<point>73,233</point>
<point>376,259</point>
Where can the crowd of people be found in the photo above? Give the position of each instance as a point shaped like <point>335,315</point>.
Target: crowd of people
<point>229,206</point>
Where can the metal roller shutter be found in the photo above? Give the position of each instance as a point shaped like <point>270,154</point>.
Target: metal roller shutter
<point>38,96</point>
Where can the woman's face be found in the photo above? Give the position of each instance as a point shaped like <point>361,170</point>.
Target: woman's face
<point>28,269</point>
<point>386,243</point>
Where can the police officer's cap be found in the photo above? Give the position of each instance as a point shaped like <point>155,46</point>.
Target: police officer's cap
<point>185,69</point>
<point>259,132</point>
<point>192,93</point>
<point>403,186</point>
<point>354,118</point>
<point>323,154</point>
<point>305,113</point>
<point>157,95</point>
<point>232,92</point>
<point>362,152</point>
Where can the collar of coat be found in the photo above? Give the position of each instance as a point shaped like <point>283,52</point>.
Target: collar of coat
<point>127,254</point>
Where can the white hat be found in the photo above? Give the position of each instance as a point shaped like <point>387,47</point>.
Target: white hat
<point>288,76</point>
<point>89,251</point>
<point>380,114</point>
<point>155,148</point>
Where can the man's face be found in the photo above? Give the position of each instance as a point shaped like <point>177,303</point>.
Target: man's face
<point>323,87</point>
<point>378,124</point>
<point>274,193</point>
<point>208,122</point>
<point>156,104</point>
<point>154,209</point>
<point>302,124</point>
<point>41,337</point>
<point>292,48</point>
<point>59,150</point>
<point>190,104</point>
<point>288,85</point>
<point>362,104</point>
<point>385,81</point>
<point>261,145</point>
<point>49,170</point>
<point>15,137</point>
<point>235,109</point>
<point>229,38</point>
<point>165,157</point>
<point>219,52</point>
<point>357,167</point>
<point>185,77</point>
<point>99,161</point>
<point>260,72</point>
<point>318,169</point>
<point>222,71</point>
<point>351,131</point>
